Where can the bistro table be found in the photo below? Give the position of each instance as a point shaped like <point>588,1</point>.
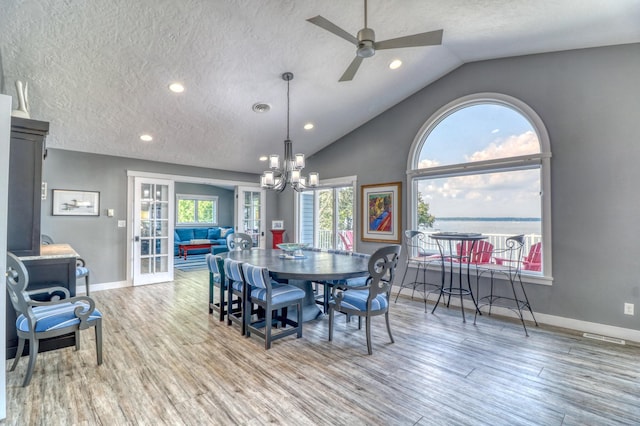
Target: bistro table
<point>449,255</point>
<point>315,266</point>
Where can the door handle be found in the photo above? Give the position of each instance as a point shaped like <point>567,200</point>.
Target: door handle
<point>136,238</point>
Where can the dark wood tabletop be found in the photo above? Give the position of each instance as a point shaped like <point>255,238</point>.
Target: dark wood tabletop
<point>317,266</point>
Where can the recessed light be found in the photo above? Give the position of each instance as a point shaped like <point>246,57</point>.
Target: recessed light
<point>395,64</point>
<point>261,107</point>
<point>308,126</point>
<point>146,138</point>
<point>263,158</point>
<point>176,87</point>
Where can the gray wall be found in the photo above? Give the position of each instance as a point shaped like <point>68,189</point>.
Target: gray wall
<point>589,101</point>
<point>98,239</point>
<point>225,198</point>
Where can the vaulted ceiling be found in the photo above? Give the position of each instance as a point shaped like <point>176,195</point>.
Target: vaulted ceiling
<point>99,71</point>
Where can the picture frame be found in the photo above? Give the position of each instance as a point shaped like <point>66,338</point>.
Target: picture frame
<point>381,207</point>
<point>76,203</point>
<point>277,224</point>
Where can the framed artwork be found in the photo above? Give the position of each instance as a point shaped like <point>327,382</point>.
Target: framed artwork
<point>381,212</point>
<point>76,203</point>
<point>277,224</point>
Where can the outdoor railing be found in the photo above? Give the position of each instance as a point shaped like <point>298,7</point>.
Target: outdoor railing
<point>499,241</point>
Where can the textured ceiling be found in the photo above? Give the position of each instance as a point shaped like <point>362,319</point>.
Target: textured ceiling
<point>99,70</point>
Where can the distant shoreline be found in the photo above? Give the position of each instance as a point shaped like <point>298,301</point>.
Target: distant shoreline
<point>490,219</point>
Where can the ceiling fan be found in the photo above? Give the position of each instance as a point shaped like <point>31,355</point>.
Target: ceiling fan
<point>367,44</point>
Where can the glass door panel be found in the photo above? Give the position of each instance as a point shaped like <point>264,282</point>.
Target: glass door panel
<point>251,211</point>
<point>153,253</point>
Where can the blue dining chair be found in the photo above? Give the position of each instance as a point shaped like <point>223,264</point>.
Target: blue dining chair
<point>217,281</point>
<point>236,294</point>
<point>369,300</point>
<point>41,320</point>
<point>272,297</point>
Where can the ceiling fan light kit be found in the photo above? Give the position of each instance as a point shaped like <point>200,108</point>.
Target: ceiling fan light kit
<point>366,44</point>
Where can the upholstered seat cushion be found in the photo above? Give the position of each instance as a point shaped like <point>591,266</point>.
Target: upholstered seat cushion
<point>82,271</point>
<point>280,293</point>
<point>357,299</point>
<point>55,316</point>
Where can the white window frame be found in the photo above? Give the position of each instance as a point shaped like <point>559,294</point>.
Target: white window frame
<point>326,184</point>
<point>540,159</point>
<point>197,198</point>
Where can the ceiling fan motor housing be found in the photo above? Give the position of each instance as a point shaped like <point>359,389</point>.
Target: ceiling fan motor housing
<point>366,40</point>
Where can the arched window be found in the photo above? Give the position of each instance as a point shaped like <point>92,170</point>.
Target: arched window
<point>481,164</point>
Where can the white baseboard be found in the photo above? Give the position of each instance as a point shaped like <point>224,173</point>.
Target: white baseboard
<point>556,321</point>
<point>81,289</point>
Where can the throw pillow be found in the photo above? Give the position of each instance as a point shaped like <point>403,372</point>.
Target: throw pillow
<point>214,233</point>
<point>225,231</point>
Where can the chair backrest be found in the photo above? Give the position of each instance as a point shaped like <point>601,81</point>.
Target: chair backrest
<point>478,252</point>
<point>382,269</point>
<point>233,270</point>
<point>347,239</point>
<point>17,281</point>
<point>46,240</point>
<point>415,243</point>
<point>533,261</point>
<point>216,267</point>
<point>239,241</point>
<point>257,276</point>
<point>511,255</point>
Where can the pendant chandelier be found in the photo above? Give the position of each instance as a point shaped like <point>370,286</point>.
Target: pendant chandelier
<point>290,174</point>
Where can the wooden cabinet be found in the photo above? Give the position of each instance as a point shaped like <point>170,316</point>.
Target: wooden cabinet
<point>25,183</point>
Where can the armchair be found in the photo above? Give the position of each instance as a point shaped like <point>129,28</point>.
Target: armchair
<point>369,300</point>
<point>40,320</point>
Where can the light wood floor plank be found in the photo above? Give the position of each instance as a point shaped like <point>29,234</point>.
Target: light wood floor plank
<point>168,362</point>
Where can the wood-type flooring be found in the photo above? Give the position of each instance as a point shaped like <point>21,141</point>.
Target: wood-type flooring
<point>168,362</point>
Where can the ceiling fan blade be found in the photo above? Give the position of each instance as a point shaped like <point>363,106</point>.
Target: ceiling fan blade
<point>333,28</point>
<point>431,38</point>
<point>352,69</point>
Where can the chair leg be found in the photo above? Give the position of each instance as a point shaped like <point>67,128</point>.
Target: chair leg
<point>368,325</point>
<point>526,299</point>
<point>99,341</point>
<point>222,311</point>
<point>330,322</point>
<point>299,307</point>
<point>18,353</point>
<point>77,335</point>
<point>268,325</point>
<point>33,354</point>
<point>86,283</point>
<point>386,317</point>
<point>515,298</point>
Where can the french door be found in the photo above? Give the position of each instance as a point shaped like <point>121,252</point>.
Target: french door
<point>250,213</point>
<point>152,241</point>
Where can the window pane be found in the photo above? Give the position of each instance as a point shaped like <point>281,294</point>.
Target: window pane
<point>479,133</point>
<point>186,211</point>
<point>325,216</point>
<point>205,211</point>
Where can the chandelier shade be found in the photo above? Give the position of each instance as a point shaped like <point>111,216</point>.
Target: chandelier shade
<point>290,172</point>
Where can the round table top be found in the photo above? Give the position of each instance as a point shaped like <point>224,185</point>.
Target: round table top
<point>458,236</point>
<point>317,266</point>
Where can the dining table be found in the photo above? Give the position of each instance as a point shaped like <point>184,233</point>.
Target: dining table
<point>302,271</point>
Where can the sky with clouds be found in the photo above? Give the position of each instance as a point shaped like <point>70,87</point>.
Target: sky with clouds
<point>478,133</point>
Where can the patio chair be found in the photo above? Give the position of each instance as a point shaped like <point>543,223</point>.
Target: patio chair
<point>474,252</point>
<point>508,264</point>
<point>415,243</point>
<point>533,260</point>
<point>44,319</point>
<point>371,299</point>
<point>272,297</point>
<point>347,239</point>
